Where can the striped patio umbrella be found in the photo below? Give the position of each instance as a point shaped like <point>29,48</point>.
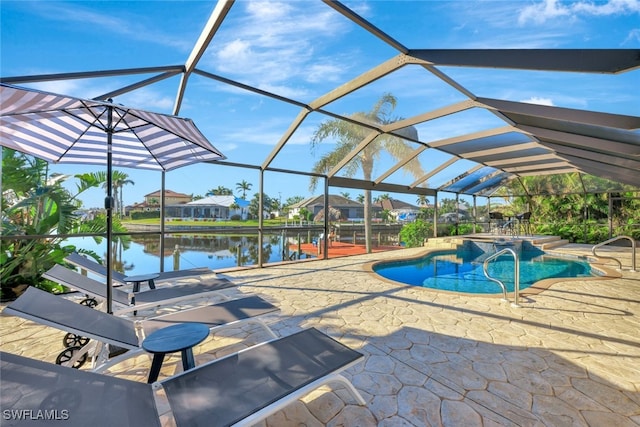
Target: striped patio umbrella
<point>64,129</point>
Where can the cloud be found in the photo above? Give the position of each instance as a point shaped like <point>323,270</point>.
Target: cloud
<point>632,37</point>
<point>148,99</point>
<point>552,9</point>
<point>144,98</point>
<point>275,45</point>
<point>74,14</point>
<point>539,101</point>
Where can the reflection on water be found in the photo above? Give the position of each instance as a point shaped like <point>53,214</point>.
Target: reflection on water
<point>142,254</point>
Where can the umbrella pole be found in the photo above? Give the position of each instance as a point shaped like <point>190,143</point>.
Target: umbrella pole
<point>108,205</point>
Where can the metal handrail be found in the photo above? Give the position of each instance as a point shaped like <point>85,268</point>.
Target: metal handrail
<point>606,242</point>
<point>516,274</point>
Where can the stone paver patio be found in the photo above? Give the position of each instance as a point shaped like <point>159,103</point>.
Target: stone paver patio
<point>570,356</point>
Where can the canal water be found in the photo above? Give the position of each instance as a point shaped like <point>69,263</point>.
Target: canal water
<point>141,254</point>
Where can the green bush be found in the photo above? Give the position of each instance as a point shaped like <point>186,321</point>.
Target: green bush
<point>145,215</point>
<point>414,234</point>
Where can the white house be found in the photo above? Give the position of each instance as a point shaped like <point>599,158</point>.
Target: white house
<point>211,207</point>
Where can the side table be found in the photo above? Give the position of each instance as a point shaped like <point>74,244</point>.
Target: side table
<point>136,280</point>
<point>181,337</point>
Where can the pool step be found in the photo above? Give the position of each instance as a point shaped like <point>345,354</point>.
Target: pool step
<point>549,242</point>
<point>443,243</point>
<point>554,244</point>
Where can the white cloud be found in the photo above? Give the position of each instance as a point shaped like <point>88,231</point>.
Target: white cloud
<point>324,72</point>
<point>148,99</point>
<point>613,7</point>
<point>551,9</point>
<point>541,12</point>
<point>539,101</point>
<point>275,45</point>
<point>133,27</point>
<point>633,37</point>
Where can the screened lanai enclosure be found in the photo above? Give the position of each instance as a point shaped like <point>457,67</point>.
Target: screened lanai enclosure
<point>326,98</point>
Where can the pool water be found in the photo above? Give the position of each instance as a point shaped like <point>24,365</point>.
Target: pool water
<point>461,271</point>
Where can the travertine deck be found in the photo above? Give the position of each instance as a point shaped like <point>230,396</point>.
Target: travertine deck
<point>570,356</point>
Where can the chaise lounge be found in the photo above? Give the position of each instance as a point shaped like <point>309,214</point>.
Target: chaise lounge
<point>61,313</point>
<point>118,278</point>
<point>126,302</point>
<point>238,390</point>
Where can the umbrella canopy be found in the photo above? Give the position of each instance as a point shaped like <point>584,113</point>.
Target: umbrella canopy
<point>64,129</point>
<point>60,128</point>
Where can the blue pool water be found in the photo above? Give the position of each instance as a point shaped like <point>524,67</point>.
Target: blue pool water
<point>461,271</point>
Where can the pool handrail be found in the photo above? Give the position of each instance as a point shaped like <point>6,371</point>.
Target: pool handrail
<point>606,242</point>
<point>516,274</point>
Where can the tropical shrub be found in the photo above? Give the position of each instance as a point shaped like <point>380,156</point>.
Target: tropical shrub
<point>414,234</point>
<point>36,209</point>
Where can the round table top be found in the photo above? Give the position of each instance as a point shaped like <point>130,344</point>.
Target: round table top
<point>141,277</point>
<point>175,338</point>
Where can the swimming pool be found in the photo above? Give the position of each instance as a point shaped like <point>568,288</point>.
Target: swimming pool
<point>461,271</point>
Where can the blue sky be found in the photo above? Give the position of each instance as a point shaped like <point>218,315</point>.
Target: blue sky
<point>302,50</point>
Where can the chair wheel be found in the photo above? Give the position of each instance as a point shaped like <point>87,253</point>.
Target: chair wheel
<point>67,354</point>
<point>73,340</point>
<point>89,302</point>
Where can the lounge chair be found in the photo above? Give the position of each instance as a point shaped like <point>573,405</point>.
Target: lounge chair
<point>126,302</point>
<point>61,313</point>
<point>240,389</point>
<point>36,393</point>
<point>118,278</point>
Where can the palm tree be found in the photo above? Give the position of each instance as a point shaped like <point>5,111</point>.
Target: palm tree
<point>243,186</point>
<point>346,195</point>
<point>382,197</point>
<point>118,180</point>
<point>360,198</point>
<point>36,204</point>
<point>349,135</point>
<point>422,200</point>
<point>220,191</point>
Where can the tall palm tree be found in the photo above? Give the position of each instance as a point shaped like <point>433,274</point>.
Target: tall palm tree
<point>119,179</point>
<point>422,200</point>
<point>349,135</point>
<point>243,186</point>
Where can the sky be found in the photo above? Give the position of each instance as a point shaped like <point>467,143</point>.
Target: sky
<point>302,50</point>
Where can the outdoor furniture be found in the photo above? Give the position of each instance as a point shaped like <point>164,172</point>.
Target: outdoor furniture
<point>181,337</point>
<point>61,313</point>
<point>510,226</point>
<point>76,397</point>
<point>126,302</point>
<point>136,280</point>
<point>496,222</point>
<point>524,222</point>
<point>118,278</point>
<point>240,389</point>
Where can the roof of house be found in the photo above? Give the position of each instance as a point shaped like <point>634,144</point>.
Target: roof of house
<point>334,201</point>
<point>167,193</point>
<point>225,201</point>
<point>395,204</point>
